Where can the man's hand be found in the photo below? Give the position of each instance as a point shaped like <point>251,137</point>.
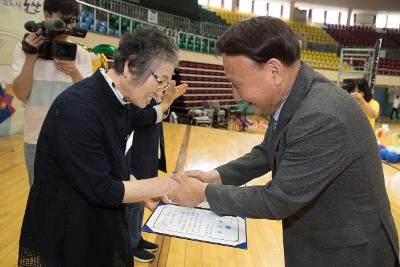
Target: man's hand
<point>69,68</point>
<point>35,39</point>
<point>30,45</point>
<point>191,192</point>
<point>211,177</point>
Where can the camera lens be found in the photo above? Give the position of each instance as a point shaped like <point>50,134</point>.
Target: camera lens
<point>64,50</point>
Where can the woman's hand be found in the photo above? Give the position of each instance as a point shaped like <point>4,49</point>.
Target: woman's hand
<point>152,203</point>
<point>360,99</point>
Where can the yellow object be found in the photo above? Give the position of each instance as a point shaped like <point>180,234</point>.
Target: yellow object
<point>230,17</point>
<point>322,60</point>
<point>104,61</point>
<point>8,90</point>
<point>375,105</point>
<point>314,33</point>
<point>396,139</point>
<point>382,135</point>
<point>99,61</point>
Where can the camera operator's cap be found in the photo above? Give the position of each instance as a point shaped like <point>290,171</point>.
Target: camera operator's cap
<point>104,49</point>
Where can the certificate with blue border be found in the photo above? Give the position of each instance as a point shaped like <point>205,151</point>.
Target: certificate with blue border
<point>197,224</point>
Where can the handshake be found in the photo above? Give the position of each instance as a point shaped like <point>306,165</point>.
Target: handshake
<point>186,188</point>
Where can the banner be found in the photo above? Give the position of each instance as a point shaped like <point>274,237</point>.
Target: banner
<point>152,16</point>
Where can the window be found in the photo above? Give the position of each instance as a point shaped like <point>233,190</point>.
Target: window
<point>393,21</point>
<point>245,6</point>
<point>332,17</point>
<point>260,8</point>
<point>215,3</point>
<point>380,21</point>
<point>352,19</point>
<point>228,4</point>
<point>274,10</point>
<point>318,15</point>
<point>202,2</point>
<point>343,18</point>
<point>286,11</point>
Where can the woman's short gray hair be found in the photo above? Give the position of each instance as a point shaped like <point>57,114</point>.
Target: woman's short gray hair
<point>144,49</point>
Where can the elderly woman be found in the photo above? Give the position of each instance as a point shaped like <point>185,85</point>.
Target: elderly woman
<point>75,211</point>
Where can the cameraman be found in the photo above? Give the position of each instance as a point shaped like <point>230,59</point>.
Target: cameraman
<point>38,82</point>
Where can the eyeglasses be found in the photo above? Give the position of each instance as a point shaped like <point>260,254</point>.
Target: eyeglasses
<point>163,84</point>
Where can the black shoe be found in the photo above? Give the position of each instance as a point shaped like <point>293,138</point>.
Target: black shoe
<point>148,246</point>
<point>142,256</point>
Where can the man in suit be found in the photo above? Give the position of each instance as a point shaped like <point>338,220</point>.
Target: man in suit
<point>327,182</point>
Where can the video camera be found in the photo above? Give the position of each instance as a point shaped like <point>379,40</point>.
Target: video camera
<point>51,48</point>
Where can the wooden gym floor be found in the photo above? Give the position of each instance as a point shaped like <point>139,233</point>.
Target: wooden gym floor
<point>203,148</point>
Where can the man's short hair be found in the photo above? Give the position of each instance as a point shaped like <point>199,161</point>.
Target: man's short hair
<point>260,39</point>
<point>65,7</point>
<point>144,49</point>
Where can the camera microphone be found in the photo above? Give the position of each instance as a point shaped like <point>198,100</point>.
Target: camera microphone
<point>51,25</point>
<point>31,26</point>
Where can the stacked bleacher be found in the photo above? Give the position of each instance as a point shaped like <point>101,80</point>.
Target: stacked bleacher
<point>314,33</point>
<point>230,17</point>
<point>87,22</point>
<point>323,60</point>
<point>209,16</point>
<point>207,83</point>
<point>196,43</point>
<point>359,36</point>
<point>366,37</point>
<point>394,34</point>
<point>117,25</point>
<point>389,66</point>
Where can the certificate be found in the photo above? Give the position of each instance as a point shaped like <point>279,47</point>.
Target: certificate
<point>197,224</point>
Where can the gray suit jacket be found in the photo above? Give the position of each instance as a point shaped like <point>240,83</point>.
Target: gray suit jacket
<point>327,181</point>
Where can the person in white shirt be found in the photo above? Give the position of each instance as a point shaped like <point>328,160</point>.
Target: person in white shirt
<point>39,81</point>
<point>395,107</point>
